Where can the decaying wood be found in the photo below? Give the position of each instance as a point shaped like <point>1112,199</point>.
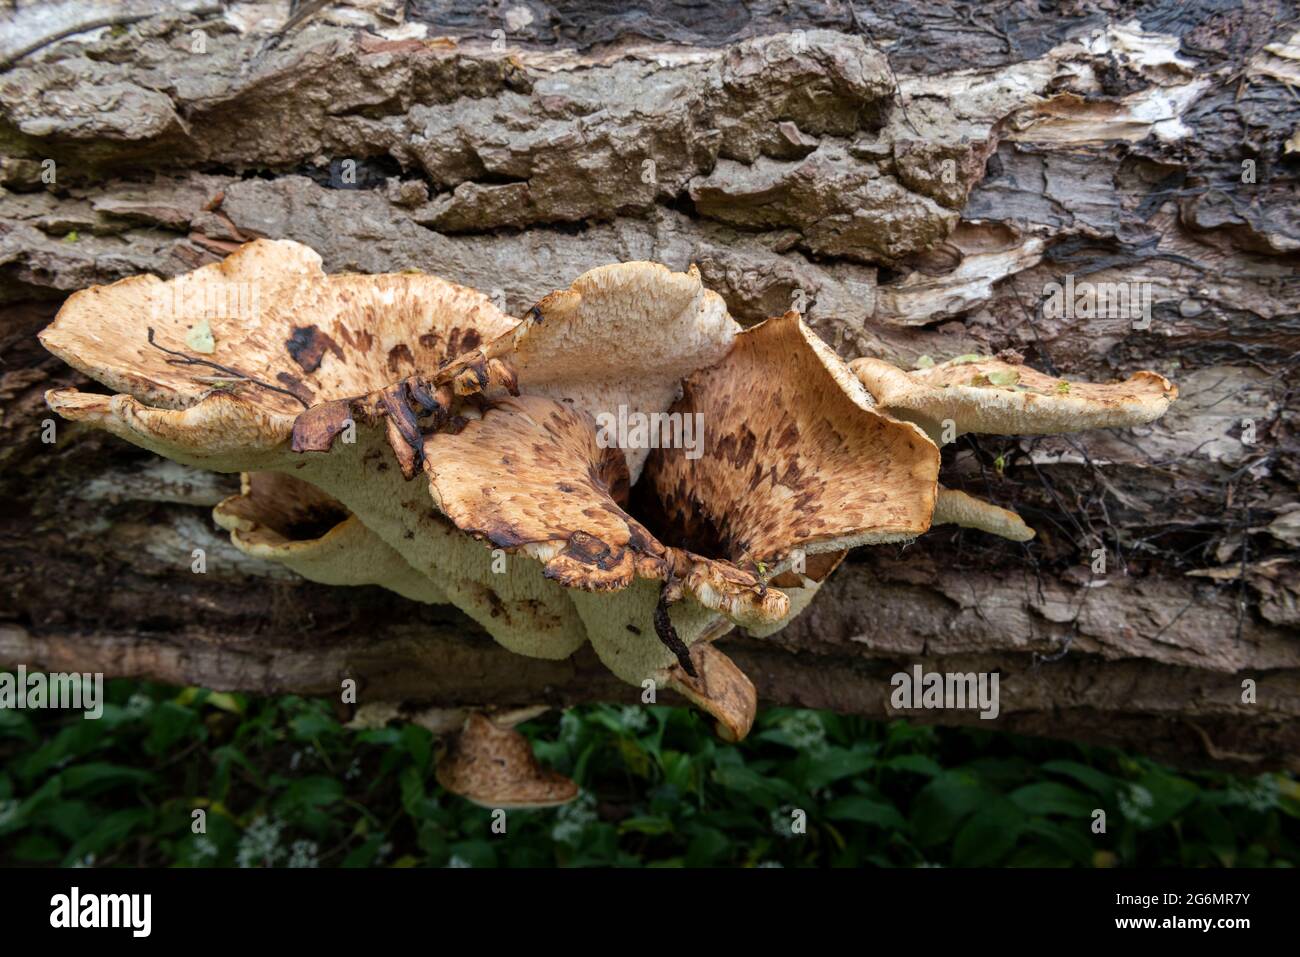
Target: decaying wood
<point>913,185</point>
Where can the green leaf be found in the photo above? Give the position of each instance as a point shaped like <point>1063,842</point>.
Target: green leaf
<point>310,792</point>
<point>311,725</point>
<point>1171,794</point>
<point>108,833</point>
<point>169,723</point>
<point>709,846</point>
<point>365,854</point>
<point>944,803</point>
<point>989,835</point>
<point>413,793</point>
<point>646,825</point>
<point>99,776</point>
<point>1071,842</point>
<point>36,849</point>
<point>915,763</point>
<point>1098,781</point>
<point>835,765</point>
<point>865,811</point>
<point>1048,797</point>
<point>418,743</point>
<point>16,724</point>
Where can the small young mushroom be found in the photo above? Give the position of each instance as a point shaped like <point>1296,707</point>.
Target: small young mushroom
<point>994,397</point>
<point>494,767</point>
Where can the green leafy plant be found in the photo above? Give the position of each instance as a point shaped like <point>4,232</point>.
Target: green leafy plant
<point>282,783</point>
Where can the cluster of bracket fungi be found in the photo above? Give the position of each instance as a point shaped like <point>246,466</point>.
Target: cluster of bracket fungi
<point>338,391</point>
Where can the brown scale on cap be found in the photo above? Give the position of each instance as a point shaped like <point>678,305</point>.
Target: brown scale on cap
<point>794,457</point>
<point>494,767</point>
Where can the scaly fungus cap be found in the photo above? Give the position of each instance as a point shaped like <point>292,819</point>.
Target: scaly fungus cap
<point>529,476</point>
<point>243,347</point>
<point>995,397</point>
<point>495,768</point>
<point>795,458</point>
<point>268,326</point>
<point>623,335</point>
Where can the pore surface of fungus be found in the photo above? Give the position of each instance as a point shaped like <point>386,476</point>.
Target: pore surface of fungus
<point>279,518</point>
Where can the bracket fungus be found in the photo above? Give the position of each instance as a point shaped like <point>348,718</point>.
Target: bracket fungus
<point>992,396</point>
<point>493,766</point>
<point>403,431</point>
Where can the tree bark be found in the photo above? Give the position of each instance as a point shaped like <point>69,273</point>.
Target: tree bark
<point>913,181</point>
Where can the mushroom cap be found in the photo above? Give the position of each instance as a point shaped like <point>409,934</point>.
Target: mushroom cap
<point>220,431</point>
<point>625,335</point>
<point>494,767</point>
<point>957,508</point>
<point>994,397</point>
<point>528,476</point>
<point>718,687</point>
<point>280,518</point>
<point>795,458</point>
<point>298,337</point>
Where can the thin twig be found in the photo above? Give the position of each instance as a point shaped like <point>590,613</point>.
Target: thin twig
<point>184,360</point>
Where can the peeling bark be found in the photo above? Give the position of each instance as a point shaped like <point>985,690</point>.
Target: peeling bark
<point>913,181</point>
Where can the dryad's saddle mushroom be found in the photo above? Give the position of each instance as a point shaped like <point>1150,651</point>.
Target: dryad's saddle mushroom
<point>401,430</point>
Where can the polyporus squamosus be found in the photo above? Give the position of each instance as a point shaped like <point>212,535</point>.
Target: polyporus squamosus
<point>493,766</point>
<point>335,392</point>
<point>990,395</point>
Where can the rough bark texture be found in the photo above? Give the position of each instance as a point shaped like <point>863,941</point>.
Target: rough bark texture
<point>911,175</point>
